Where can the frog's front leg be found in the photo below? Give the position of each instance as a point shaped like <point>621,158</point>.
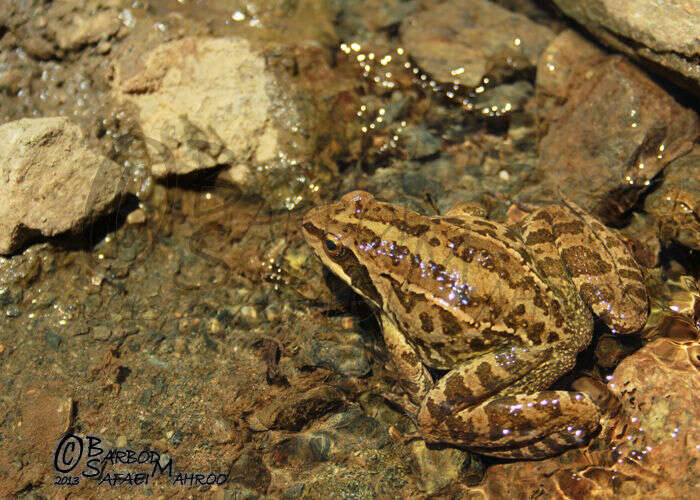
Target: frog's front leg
<point>495,405</point>
<point>413,375</point>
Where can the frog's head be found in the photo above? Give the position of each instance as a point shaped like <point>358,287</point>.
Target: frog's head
<point>334,231</point>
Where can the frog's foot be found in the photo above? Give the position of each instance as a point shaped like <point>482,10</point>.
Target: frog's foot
<point>531,426</point>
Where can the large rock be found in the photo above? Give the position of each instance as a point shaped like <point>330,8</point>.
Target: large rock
<point>202,102</point>
<point>464,42</point>
<point>676,203</point>
<point>664,34</point>
<point>606,128</point>
<point>658,387</point>
<point>49,181</point>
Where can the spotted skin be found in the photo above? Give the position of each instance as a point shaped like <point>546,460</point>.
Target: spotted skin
<point>505,311</point>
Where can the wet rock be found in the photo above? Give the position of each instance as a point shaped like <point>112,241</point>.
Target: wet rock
<point>250,471</point>
<point>340,436</point>
<point>676,203</point>
<point>221,431</point>
<point>674,308</point>
<point>562,65</point>
<point>658,387</point>
<point>464,42</point>
<point>83,29</point>
<point>610,349</point>
<point>662,34</point>
<point>348,360</point>
<point>417,142</point>
<point>503,99</point>
<point>436,467</point>
<point>52,339</point>
<point>23,269</point>
<point>642,238</point>
<point>298,411</point>
<point>372,15</point>
<point>610,129</point>
<point>205,100</point>
<point>45,418</point>
<point>51,182</point>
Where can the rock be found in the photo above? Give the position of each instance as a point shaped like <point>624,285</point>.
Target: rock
<point>221,431</point>
<point>250,470</point>
<point>606,128</point>
<point>464,42</point>
<point>658,387</point>
<point>45,418</point>
<point>297,412</point>
<point>84,30</point>
<point>417,142</point>
<point>348,360</point>
<point>52,339</point>
<point>50,181</point>
<point>23,269</point>
<point>205,101</point>
<point>436,467</point>
<point>642,237</point>
<point>503,99</point>
<point>662,34</point>
<point>676,203</point>
<point>565,62</point>
<point>341,436</point>
<point>138,216</point>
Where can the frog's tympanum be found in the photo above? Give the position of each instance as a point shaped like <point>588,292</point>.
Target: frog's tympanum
<point>505,312</point>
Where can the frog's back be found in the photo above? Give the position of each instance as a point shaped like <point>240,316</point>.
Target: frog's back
<point>464,287</point>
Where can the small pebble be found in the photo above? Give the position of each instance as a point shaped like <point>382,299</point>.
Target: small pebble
<point>138,216</point>
<point>249,312</point>
<point>103,47</point>
<point>12,311</point>
<point>121,441</point>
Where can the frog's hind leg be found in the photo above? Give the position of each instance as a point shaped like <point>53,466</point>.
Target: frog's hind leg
<point>496,405</point>
<point>600,265</point>
<point>527,426</point>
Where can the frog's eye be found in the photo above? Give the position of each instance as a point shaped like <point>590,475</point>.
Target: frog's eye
<point>333,245</point>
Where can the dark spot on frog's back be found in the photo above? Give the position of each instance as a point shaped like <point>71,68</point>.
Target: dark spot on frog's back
<point>580,260</point>
<point>533,333</point>
<point>434,242</point>
<point>406,298</point>
<point>572,227</point>
<point>450,325</point>
<point>486,376</point>
<point>485,223</point>
<point>543,215</point>
<point>539,236</point>
<point>418,230</point>
<point>426,322</point>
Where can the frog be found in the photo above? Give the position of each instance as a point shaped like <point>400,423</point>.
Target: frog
<point>479,319</point>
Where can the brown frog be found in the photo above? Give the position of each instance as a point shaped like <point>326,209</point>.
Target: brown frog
<point>505,311</point>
